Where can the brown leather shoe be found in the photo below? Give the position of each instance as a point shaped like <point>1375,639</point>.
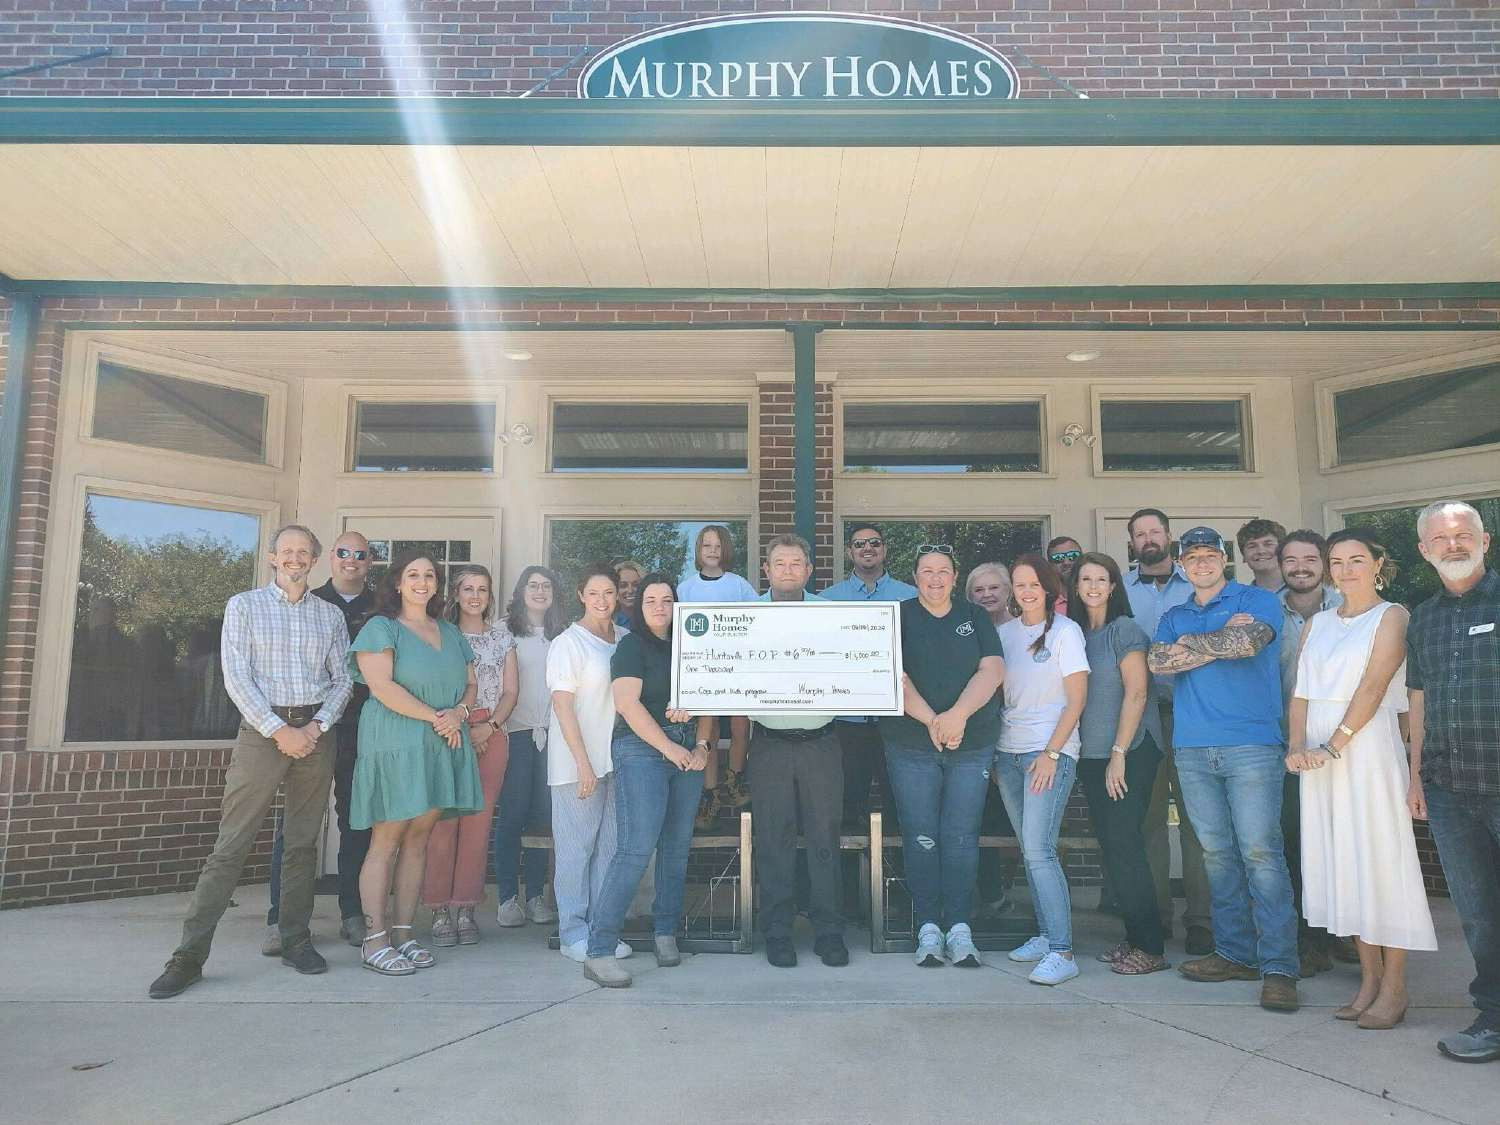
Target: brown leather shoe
<point>1213,969</point>
<point>1278,993</point>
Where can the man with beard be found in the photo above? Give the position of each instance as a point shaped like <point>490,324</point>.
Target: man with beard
<point>1453,677</point>
<point>1153,587</point>
<point>1301,555</point>
<point>285,667</point>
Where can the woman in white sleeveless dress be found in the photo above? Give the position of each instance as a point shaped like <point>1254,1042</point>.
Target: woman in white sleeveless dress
<point>1360,873</point>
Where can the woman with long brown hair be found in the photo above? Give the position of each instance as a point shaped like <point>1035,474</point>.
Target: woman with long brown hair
<point>416,762</point>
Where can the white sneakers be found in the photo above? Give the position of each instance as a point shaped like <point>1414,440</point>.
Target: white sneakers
<point>579,950</point>
<point>960,947</point>
<point>1054,969</point>
<point>539,912</point>
<point>930,946</point>
<point>511,913</point>
<point>1035,949</point>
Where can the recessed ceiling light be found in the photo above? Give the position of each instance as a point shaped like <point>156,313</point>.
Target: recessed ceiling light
<point>518,356</point>
<point>1082,357</point>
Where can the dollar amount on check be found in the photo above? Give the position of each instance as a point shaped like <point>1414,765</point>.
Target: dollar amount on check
<point>768,658</point>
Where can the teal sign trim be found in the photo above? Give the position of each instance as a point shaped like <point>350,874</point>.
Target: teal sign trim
<point>800,57</point>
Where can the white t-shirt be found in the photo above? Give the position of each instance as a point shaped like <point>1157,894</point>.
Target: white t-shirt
<point>1034,696</point>
<point>725,588</point>
<point>533,700</point>
<point>579,662</point>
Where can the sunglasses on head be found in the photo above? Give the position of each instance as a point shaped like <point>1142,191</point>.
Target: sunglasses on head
<point>350,553</point>
<point>1065,556</point>
<point>867,541</point>
<point>935,548</point>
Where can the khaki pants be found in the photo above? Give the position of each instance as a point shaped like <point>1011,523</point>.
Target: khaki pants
<point>256,770</point>
<point>1159,848</point>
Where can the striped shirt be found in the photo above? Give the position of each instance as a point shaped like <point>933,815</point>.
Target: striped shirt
<point>278,653</point>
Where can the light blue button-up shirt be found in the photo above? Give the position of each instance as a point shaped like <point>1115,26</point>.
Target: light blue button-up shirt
<point>853,589</point>
<point>1148,601</point>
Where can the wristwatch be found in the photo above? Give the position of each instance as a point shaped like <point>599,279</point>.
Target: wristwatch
<point>322,728</point>
<point>1053,754</point>
<point>1120,750</point>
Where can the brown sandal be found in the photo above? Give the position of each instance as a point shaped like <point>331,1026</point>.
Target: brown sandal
<point>1139,963</point>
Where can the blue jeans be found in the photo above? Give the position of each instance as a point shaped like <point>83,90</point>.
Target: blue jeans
<point>1466,829</point>
<point>941,799</point>
<point>1233,796</point>
<point>655,803</point>
<point>1037,818</point>
<point>525,802</point>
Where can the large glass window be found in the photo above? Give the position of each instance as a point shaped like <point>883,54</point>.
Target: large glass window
<point>1425,414</point>
<point>1140,436</point>
<point>445,552</point>
<point>153,578</point>
<point>424,437</point>
<point>633,437</point>
<point>181,415</point>
<point>947,437</point>
<point>973,541</point>
<point>664,545</point>
<point>1396,528</point>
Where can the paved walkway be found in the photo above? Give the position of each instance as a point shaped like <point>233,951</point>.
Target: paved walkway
<point>508,1031</point>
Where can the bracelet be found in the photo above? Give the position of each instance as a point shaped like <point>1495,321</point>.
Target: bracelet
<point>1120,750</point>
<point>1329,750</point>
<point>1345,731</point>
<point>702,743</point>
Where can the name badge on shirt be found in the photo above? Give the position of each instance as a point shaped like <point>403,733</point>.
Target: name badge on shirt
<point>1486,628</point>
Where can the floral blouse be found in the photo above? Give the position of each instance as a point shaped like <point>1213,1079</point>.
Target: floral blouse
<point>490,648</point>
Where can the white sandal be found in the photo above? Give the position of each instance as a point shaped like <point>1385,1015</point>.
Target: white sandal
<point>386,961</point>
<point>416,954</point>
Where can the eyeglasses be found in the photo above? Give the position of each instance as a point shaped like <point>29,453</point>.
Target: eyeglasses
<point>350,553</point>
<point>1066,556</point>
<point>935,549</point>
<point>868,541</point>
<point>539,587</point>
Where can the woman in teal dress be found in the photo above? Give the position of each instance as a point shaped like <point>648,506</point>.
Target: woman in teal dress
<point>416,764</point>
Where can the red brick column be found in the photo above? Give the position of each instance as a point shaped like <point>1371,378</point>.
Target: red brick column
<point>777,484</point>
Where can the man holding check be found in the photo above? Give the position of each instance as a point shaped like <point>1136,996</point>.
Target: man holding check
<point>795,761</point>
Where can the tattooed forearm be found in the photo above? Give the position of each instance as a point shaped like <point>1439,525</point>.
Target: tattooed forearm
<point>1175,658</point>
<point>1233,642</point>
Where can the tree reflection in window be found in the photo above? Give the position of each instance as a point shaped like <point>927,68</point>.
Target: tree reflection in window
<point>153,578</point>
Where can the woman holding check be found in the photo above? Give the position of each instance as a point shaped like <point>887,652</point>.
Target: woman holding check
<point>659,755</point>
<point>939,753</point>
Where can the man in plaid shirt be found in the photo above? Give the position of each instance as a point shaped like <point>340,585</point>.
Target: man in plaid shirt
<point>285,666</point>
<point>1453,677</point>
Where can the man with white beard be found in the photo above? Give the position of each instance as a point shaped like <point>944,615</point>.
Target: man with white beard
<point>1453,677</point>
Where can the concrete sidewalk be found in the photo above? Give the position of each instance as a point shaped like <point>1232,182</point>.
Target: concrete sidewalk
<point>508,1031</point>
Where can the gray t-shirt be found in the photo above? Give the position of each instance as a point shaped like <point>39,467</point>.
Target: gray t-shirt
<point>1106,647</point>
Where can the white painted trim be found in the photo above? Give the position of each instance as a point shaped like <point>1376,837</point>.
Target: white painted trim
<point>1335,510</point>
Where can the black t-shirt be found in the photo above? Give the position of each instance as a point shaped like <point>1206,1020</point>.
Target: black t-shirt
<point>941,655</point>
<point>356,611</point>
<point>649,661</point>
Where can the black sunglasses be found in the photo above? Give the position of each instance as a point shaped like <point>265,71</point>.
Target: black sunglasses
<point>350,553</point>
<point>868,541</point>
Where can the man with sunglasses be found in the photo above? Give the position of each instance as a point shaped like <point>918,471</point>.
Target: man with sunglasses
<point>348,591</point>
<point>859,737</point>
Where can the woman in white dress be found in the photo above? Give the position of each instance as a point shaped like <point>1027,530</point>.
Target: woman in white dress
<point>1360,873</point>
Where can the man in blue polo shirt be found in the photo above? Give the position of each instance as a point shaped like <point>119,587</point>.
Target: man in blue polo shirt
<point>1228,745</point>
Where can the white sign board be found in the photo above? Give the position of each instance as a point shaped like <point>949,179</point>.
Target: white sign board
<point>785,658</point>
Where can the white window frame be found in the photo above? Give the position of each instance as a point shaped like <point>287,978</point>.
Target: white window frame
<point>55,645</point>
<point>748,566</point>
<point>487,393</point>
<point>604,393</point>
<point>1334,511</point>
<point>154,363</point>
<point>895,392</point>
<point>1249,394</point>
<point>1327,422</point>
<point>884,513</point>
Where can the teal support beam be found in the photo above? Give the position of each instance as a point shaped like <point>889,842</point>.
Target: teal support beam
<point>805,429</point>
<point>25,312</point>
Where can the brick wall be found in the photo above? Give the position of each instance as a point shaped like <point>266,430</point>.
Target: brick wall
<point>777,498</point>
<point>1132,48</point>
<point>97,824</point>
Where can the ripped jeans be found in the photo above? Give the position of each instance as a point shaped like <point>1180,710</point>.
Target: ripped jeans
<point>941,799</point>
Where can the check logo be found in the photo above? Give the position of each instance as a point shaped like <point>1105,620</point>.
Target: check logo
<point>965,630</point>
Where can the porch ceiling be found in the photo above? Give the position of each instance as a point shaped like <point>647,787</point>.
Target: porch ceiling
<point>633,216</point>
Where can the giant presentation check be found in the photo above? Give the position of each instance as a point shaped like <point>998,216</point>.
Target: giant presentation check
<point>769,658</point>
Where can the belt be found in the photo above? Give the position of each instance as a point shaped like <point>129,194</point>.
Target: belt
<point>795,735</point>
<point>299,715</point>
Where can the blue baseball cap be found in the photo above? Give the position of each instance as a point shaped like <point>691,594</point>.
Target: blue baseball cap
<point>1200,537</point>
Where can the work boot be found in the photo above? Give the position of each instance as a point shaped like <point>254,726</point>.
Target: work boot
<point>181,972</point>
<point>606,972</point>
<point>304,958</point>
<point>1214,969</point>
<point>1278,993</point>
